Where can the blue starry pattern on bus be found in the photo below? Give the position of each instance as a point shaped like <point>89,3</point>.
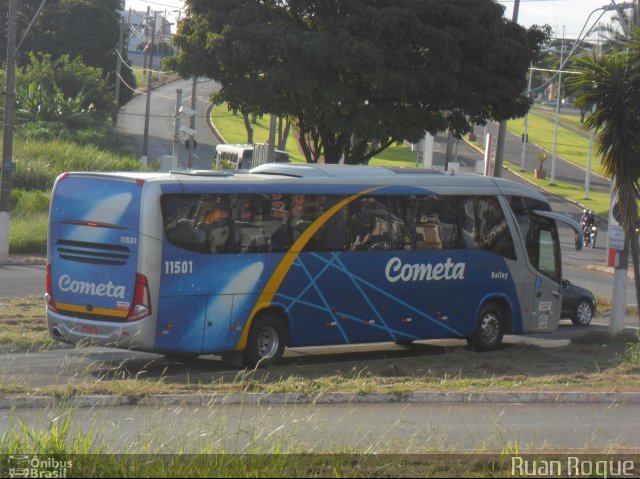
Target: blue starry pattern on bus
<point>348,298</point>
<point>205,308</point>
<point>329,298</point>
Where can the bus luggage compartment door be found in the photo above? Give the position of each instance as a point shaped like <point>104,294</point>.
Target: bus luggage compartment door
<point>216,323</point>
<point>180,324</point>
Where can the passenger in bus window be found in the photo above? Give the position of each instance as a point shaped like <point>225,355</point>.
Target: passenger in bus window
<point>215,224</point>
<point>281,238</point>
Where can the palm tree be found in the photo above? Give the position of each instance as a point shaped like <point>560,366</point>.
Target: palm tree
<point>613,33</point>
<point>612,84</point>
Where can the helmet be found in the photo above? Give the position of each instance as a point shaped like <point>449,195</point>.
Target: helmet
<point>585,211</point>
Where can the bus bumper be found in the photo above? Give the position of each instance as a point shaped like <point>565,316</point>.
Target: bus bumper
<point>137,335</point>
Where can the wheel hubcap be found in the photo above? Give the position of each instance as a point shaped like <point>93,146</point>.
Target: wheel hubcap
<point>490,328</point>
<point>584,313</point>
<point>268,342</point>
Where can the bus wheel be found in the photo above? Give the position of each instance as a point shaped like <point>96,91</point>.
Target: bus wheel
<point>266,341</point>
<point>489,329</point>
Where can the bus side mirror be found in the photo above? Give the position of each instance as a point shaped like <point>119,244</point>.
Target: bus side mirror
<point>579,240</point>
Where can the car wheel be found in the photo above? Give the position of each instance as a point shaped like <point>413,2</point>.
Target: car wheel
<point>583,313</point>
<point>489,329</point>
<point>266,341</point>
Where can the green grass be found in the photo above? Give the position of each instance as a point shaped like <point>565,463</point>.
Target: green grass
<point>570,145</point>
<point>598,202</point>
<point>28,234</point>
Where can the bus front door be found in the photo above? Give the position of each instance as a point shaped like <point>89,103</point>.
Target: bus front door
<point>547,298</point>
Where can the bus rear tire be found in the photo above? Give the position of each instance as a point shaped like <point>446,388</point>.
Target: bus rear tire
<point>489,329</point>
<point>266,343</point>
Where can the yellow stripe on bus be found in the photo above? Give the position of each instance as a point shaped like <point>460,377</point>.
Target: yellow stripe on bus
<point>269,291</point>
<point>100,311</point>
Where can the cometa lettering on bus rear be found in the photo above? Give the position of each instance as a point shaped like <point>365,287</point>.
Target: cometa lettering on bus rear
<point>92,289</point>
<point>396,271</point>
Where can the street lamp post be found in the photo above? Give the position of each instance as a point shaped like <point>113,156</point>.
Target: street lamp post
<point>555,128</point>
<point>525,138</point>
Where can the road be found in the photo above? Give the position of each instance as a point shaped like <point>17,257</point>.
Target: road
<point>21,280</point>
<point>162,121</point>
<point>370,428</point>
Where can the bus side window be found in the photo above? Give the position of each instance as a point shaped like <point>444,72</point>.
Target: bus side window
<point>484,226</point>
<point>369,224</point>
<point>332,235</point>
<point>436,223</point>
<point>494,234</point>
<point>402,214</point>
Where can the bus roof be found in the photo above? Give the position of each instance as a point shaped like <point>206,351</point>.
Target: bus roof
<point>311,174</point>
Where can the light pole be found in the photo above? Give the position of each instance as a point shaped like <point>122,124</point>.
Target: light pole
<point>525,138</point>
<point>555,128</point>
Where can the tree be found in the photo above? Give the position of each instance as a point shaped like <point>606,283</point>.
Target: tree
<point>358,75</point>
<point>612,83</point>
<point>79,28</point>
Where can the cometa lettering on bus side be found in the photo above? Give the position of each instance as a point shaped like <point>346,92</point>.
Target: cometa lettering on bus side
<point>92,289</point>
<point>397,271</point>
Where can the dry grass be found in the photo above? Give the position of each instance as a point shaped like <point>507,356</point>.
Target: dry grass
<point>23,324</point>
<point>591,361</point>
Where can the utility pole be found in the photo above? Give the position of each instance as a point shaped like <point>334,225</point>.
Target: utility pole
<point>145,140</point>
<point>114,119</point>
<point>8,166</point>
<point>620,258</point>
<point>192,122</point>
<point>146,35</point>
<point>502,125</point>
<point>176,130</point>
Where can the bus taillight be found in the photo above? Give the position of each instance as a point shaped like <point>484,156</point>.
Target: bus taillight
<point>141,307</point>
<point>48,295</point>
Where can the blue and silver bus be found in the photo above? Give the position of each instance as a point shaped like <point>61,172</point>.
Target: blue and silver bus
<point>244,264</point>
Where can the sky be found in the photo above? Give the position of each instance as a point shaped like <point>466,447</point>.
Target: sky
<point>570,14</point>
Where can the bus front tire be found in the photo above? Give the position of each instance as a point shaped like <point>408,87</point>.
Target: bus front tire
<point>489,329</point>
<point>266,342</point>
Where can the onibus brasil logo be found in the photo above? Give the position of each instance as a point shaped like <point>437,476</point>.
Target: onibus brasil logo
<point>38,467</point>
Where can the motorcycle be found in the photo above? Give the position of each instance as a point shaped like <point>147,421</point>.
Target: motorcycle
<point>592,236</point>
<point>590,233</point>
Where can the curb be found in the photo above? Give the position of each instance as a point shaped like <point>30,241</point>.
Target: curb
<point>212,128</point>
<point>24,260</point>
<point>257,399</point>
